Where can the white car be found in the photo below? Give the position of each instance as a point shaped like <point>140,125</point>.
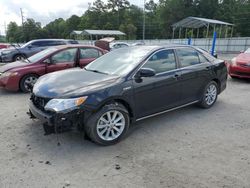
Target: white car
<point>117,45</point>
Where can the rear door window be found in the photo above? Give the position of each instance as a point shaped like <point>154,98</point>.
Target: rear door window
<point>87,53</point>
<point>202,58</point>
<point>187,57</point>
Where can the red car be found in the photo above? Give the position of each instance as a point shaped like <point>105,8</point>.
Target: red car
<point>239,67</point>
<point>4,45</point>
<point>23,74</point>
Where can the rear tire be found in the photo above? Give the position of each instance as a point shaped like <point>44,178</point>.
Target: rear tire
<point>108,125</point>
<point>209,96</point>
<point>29,79</point>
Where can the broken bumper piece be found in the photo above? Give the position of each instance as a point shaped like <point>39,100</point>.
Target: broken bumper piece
<point>55,122</point>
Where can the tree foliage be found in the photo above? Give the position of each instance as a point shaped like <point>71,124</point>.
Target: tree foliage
<point>120,14</point>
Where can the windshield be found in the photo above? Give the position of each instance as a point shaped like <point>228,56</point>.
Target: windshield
<point>26,44</point>
<point>120,61</point>
<point>42,54</point>
<point>247,51</point>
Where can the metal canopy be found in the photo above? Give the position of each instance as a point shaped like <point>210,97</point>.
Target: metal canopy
<point>196,22</point>
<point>75,32</point>
<point>102,32</point>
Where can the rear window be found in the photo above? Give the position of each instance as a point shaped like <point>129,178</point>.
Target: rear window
<point>206,54</point>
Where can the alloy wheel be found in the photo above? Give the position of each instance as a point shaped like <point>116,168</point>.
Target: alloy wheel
<point>18,58</point>
<point>29,81</point>
<point>110,125</point>
<point>211,94</point>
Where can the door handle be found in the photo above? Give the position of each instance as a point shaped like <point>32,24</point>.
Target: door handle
<point>208,68</point>
<point>177,75</point>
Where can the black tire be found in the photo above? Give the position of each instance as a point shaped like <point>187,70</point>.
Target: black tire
<point>93,122</point>
<point>23,84</point>
<point>234,77</point>
<point>204,103</point>
<point>18,57</point>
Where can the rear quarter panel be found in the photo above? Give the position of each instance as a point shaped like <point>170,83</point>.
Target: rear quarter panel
<point>220,71</point>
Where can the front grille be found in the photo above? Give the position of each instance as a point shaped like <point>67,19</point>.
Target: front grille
<point>39,102</point>
<point>243,73</point>
<point>245,65</point>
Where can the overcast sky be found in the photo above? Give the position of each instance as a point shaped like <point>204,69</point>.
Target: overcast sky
<point>43,11</point>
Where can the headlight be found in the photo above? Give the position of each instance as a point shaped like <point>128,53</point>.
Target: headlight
<point>233,62</point>
<point>7,74</point>
<point>5,52</point>
<point>59,105</point>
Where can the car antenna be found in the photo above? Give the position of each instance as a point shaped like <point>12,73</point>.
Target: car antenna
<point>20,52</point>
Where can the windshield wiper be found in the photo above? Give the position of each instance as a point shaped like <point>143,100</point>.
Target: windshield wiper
<point>97,71</point>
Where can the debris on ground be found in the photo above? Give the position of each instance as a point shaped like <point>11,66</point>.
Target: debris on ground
<point>117,167</point>
<point>48,163</point>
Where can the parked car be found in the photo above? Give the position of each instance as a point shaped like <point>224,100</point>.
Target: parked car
<point>23,74</point>
<point>138,43</point>
<point>239,67</point>
<point>31,48</point>
<point>124,86</point>
<point>116,45</point>
<point>109,44</point>
<point>4,45</point>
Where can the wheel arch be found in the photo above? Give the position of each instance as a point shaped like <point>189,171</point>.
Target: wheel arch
<point>14,56</point>
<point>30,73</point>
<point>121,101</point>
<point>218,83</point>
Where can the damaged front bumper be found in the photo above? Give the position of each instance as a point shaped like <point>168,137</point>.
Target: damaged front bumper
<point>58,122</point>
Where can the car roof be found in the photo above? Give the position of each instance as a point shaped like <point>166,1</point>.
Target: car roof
<point>156,47</point>
<point>74,46</point>
<point>52,40</point>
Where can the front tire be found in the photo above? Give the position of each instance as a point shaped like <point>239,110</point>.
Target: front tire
<point>27,82</point>
<point>109,125</point>
<point>233,77</point>
<point>19,57</point>
<point>209,96</point>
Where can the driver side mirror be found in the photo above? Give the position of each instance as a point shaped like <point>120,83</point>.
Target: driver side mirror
<point>145,72</point>
<point>30,46</point>
<point>47,61</point>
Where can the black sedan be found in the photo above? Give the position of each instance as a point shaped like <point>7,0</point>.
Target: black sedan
<point>124,86</point>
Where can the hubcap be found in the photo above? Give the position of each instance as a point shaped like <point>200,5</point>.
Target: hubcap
<point>110,125</point>
<point>211,94</point>
<point>19,58</point>
<point>29,81</point>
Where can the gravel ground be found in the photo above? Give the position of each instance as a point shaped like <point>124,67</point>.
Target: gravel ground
<point>190,147</point>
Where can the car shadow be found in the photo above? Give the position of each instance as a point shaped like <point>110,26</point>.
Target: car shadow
<point>240,80</point>
<point>75,142</point>
<point>4,92</point>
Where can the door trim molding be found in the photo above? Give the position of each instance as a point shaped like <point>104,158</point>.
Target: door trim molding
<point>175,108</point>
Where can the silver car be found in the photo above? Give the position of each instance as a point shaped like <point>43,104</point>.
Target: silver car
<point>30,48</point>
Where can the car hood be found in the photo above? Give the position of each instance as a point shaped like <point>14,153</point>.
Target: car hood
<point>71,83</point>
<point>10,49</point>
<point>244,58</point>
<point>9,66</point>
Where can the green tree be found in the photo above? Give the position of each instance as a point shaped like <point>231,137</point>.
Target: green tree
<point>13,32</point>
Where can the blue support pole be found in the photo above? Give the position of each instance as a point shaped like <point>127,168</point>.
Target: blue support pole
<point>213,44</point>
<point>189,41</point>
